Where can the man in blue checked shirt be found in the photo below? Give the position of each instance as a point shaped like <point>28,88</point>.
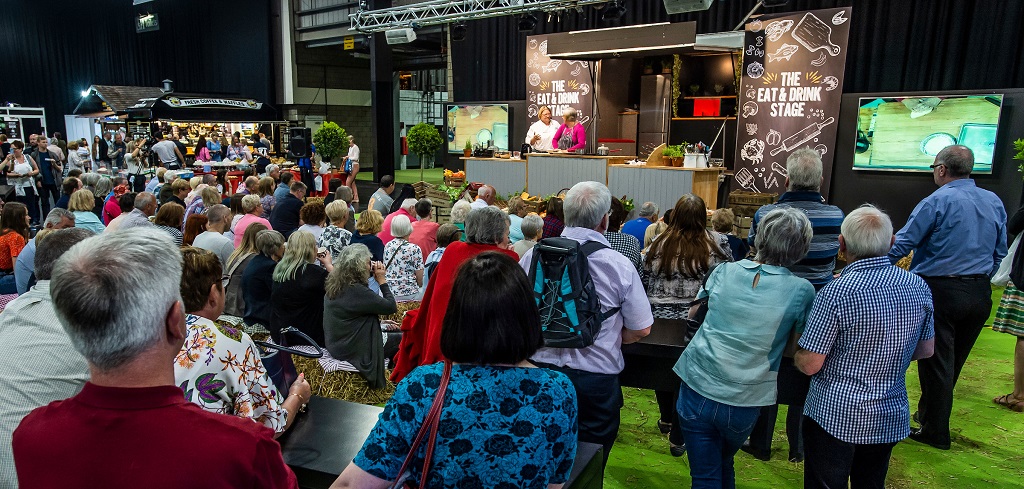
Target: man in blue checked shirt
<point>958,235</point>
<point>863,331</point>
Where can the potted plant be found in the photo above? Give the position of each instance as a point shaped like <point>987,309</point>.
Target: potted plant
<point>330,140</point>
<point>424,141</point>
<point>467,150</point>
<point>673,154</point>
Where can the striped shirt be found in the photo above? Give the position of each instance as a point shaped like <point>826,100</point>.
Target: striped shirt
<point>820,262</point>
<point>867,323</point>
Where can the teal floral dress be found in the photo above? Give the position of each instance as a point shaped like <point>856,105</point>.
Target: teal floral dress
<point>501,427</point>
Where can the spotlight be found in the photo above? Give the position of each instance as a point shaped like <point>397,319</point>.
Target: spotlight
<point>527,22</point>
<point>85,93</point>
<point>613,11</point>
<point>458,31</point>
<point>551,15</point>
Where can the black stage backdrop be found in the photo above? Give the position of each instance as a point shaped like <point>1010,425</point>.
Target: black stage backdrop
<point>53,50</point>
<point>895,45</point>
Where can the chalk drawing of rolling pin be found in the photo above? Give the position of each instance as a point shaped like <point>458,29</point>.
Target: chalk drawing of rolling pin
<point>746,179</point>
<point>815,35</point>
<point>806,134</point>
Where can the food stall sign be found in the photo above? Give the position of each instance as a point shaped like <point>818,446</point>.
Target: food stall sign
<point>192,102</point>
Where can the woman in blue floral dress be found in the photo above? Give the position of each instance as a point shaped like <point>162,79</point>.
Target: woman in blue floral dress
<point>505,423</point>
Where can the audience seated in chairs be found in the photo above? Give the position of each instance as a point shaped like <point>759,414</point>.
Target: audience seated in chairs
<point>352,314</point>
<point>403,261</point>
<point>297,299</point>
<point>234,301</point>
<point>258,280</point>
<point>498,406</point>
<point>239,385</point>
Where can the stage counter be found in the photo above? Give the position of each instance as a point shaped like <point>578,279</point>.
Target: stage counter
<point>505,175</point>
<point>548,173</point>
<point>663,185</point>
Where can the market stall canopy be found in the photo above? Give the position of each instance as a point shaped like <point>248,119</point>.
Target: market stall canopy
<point>188,107</point>
<point>640,41</point>
<point>108,100</point>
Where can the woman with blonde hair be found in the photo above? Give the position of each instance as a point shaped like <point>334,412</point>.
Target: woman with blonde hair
<point>81,205</point>
<point>335,237</point>
<point>370,223</point>
<point>234,303</point>
<point>208,197</point>
<point>352,314</point>
<point>298,292</point>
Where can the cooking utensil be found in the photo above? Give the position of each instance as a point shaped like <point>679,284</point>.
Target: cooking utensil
<point>746,179</point>
<point>806,134</point>
<point>815,35</point>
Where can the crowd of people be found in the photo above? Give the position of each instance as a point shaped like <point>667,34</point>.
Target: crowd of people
<point>158,340</point>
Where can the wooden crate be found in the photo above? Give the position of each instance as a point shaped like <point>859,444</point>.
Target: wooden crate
<point>742,197</point>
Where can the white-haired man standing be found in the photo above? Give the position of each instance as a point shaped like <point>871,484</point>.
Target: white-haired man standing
<point>863,331</point>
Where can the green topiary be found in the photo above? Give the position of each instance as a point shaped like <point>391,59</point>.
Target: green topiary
<point>330,140</point>
<point>424,141</point>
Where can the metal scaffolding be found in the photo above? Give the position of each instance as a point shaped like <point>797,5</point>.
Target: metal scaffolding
<point>443,12</point>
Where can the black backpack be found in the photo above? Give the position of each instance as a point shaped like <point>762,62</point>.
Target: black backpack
<point>570,311</point>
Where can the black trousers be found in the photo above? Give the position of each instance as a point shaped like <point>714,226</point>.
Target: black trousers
<point>831,462</point>
<point>793,387</point>
<point>599,398</point>
<point>667,407</point>
<point>32,203</point>
<point>48,190</point>
<point>962,305</point>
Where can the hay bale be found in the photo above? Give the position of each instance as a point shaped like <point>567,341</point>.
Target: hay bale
<point>904,262</point>
<point>346,386</point>
<point>310,200</point>
<point>402,308</point>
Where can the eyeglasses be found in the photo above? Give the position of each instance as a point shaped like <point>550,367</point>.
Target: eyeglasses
<point>935,165</point>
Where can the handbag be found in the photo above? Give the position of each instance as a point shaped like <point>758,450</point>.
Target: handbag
<point>429,425</point>
<point>694,322</point>
<point>278,361</point>
<point>1002,275</point>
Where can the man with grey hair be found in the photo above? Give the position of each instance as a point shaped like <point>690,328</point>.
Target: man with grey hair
<point>39,364</point>
<point>408,209</point>
<point>131,409</point>
<point>145,207</point>
<point>803,191</point>
<point>958,236</point>
<point>863,331</point>
<point>594,370</point>
<point>24,267</point>
<point>647,215</point>
<point>213,239</point>
<point>484,197</point>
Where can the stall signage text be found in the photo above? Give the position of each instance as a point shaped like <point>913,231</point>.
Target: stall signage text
<point>192,102</point>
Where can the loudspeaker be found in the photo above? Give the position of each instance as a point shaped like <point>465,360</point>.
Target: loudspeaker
<point>299,139</point>
<point>684,6</point>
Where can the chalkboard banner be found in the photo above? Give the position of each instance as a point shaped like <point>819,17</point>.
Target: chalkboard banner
<point>790,94</point>
<point>556,83</point>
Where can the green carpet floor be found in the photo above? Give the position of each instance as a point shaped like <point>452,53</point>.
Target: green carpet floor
<point>432,175</point>
<point>988,444</point>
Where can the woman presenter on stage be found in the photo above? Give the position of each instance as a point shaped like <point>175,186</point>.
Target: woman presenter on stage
<point>570,135</point>
<point>542,132</point>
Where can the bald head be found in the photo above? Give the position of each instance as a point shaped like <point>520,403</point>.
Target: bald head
<point>957,159</point>
<point>486,193</point>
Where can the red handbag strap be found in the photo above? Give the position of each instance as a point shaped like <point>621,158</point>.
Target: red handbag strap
<point>430,424</point>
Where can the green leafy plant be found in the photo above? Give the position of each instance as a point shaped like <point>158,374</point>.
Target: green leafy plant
<point>672,151</point>
<point>424,141</point>
<point>469,145</point>
<point>1018,146</point>
<point>677,69</point>
<point>627,204</point>
<point>330,140</point>
<point>453,192</point>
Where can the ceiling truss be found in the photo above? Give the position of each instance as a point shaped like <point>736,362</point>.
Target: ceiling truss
<point>435,12</point>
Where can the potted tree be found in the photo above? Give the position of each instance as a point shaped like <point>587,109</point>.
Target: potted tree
<point>330,140</point>
<point>467,150</point>
<point>424,141</point>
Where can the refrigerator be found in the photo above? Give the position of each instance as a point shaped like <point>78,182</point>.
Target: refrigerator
<point>655,112</point>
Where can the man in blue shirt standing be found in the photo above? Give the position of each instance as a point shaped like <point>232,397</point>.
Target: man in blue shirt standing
<point>863,331</point>
<point>648,214</point>
<point>958,235</point>
<point>803,191</point>
<point>50,170</point>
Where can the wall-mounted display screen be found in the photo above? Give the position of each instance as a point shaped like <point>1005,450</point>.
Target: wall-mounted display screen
<point>905,133</point>
<point>478,124</point>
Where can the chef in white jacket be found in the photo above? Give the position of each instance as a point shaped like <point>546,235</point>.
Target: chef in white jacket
<point>543,131</point>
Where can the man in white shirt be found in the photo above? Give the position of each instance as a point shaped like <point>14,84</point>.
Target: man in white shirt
<point>213,238</point>
<point>167,152</point>
<point>543,131</point>
<point>484,197</point>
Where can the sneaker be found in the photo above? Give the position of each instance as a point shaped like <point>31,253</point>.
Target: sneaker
<point>676,450</point>
<point>762,455</point>
<point>664,427</point>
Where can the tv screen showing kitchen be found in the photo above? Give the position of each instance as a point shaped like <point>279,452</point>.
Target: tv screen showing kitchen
<point>485,124</point>
<point>905,133</point>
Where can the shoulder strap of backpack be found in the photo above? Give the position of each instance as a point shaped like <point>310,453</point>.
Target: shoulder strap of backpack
<point>589,248</point>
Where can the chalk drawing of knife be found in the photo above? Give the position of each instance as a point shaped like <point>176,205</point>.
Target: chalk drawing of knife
<point>777,168</point>
<point>746,179</point>
<point>806,134</point>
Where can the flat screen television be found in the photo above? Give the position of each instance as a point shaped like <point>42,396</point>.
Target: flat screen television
<point>477,124</point>
<point>905,133</point>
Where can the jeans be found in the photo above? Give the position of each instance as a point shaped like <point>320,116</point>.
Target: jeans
<point>49,189</point>
<point>8,284</point>
<point>831,462</point>
<point>714,433</point>
<point>962,305</point>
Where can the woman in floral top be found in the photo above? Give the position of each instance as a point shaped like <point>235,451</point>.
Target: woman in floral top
<point>335,237</point>
<point>266,193</point>
<point>219,367</point>
<point>403,262</point>
<point>504,422</point>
